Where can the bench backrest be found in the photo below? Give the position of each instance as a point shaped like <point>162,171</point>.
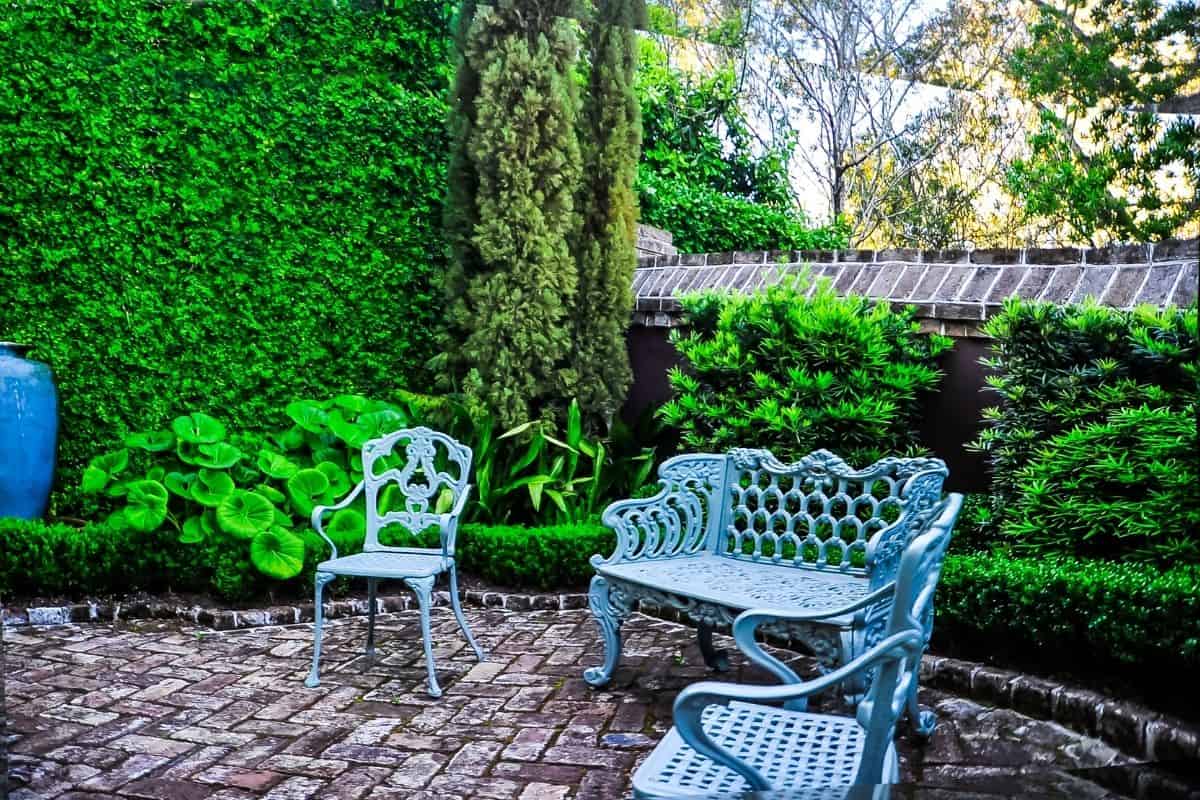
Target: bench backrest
<point>818,512</point>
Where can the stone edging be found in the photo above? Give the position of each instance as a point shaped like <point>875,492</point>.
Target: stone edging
<point>1133,729</point>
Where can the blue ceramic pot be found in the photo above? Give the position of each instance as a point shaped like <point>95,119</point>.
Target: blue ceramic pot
<point>28,433</point>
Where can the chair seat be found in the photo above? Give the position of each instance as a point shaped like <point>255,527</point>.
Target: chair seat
<point>742,583</point>
<point>409,563</point>
<point>794,750</point>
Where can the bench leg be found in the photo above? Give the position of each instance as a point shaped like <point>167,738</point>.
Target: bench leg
<point>372,584</point>
<point>921,721</point>
<point>715,659</point>
<point>314,676</point>
<point>609,618</point>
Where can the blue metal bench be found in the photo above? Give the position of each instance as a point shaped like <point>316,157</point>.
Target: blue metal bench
<point>732,532</point>
<point>727,741</point>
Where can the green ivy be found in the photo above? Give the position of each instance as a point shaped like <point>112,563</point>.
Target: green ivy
<point>794,372</point>
<point>219,206</point>
<point>553,557</point>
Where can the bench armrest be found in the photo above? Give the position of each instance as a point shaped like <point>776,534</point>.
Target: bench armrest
<point>320,511</point>
<point>671,523</point>
<point>748,621</point>
<point>691,702</point>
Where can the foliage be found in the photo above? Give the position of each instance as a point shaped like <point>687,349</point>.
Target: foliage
<point>252,496</point>
<point>791,372</point>
<point>1094,615</point>
<point>695,133</point>
<point>218,205</point>
<point>611,131</point>
<point>40,559</point>
<point>1058,368</point>
<point>247,494</point>
<point>1102,162</point>
<point>1125,486</point>
<point>552,557</point>
<point>512,296</point>
<point>703,220</point>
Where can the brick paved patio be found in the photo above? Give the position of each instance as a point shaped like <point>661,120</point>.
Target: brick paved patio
<point>173,712</point>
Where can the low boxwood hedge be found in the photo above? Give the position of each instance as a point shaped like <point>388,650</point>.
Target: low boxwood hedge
<point>1052,613</point>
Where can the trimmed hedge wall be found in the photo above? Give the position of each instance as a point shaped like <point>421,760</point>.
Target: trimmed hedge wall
<point>220,206</point>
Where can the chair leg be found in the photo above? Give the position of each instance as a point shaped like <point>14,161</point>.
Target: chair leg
<point>715,658</point>
<point>423,588</point>
<point>314,676</point>
<point>458,614</point>
<point>608,617</point>
<point>372,583</point>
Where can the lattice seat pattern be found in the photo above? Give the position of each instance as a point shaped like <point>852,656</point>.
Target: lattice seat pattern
<point>729,532</point>
<point>387,564</point>
<point>790,748</point>
<point>737,584</point>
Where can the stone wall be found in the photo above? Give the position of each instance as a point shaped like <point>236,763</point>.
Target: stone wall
<point>955,290</point>
<point>654,242</point>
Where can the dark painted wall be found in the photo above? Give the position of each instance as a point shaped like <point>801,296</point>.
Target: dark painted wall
<point>951,416</point>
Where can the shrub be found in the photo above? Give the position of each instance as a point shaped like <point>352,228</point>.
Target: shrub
<point>705,220</point>
<point>1125,486</point>
<point>219,205</point>
<point>1060,611</point>
<point>791,372</point>
<point>1058,367</point>
<point>101,559</point>
<point>554,557</point>
<point>1070,378</point>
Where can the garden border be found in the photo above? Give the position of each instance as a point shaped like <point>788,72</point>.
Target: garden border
<point>1133,729</point>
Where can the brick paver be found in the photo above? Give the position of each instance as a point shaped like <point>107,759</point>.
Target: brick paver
<point>162,710</point>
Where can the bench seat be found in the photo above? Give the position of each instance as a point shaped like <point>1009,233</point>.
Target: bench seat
<point>740,584</point>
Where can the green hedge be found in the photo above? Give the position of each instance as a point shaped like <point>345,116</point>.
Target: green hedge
<point>40,560</point>
<point>220,206</point>
<point>1072,613</point>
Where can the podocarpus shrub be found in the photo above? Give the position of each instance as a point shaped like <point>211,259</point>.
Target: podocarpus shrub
<point>219,206</point>
<point>1097,419</point>
<point>791,372</point>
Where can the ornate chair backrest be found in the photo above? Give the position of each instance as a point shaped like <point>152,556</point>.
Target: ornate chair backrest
<point>412,477</point>
<point>917,577</point>
<point>821,512</point>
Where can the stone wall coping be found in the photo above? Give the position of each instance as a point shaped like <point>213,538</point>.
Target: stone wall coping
<point>1131,728</point>
<point>951,286</point>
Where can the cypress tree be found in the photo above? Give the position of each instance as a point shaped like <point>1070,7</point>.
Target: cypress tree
<point>513,286</point>
<point>612,134</point>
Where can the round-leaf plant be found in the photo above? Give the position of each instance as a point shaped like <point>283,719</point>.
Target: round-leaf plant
<point>244,514</point>
<point>277,553</point>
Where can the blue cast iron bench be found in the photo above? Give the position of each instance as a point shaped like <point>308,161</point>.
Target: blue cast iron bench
<point>728,533</point>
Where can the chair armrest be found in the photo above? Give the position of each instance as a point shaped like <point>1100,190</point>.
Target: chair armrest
<point>668,524</point>
<point>320,511</point>
<point>691,702</point>
<point>748,621</point>
<point>449,522</point>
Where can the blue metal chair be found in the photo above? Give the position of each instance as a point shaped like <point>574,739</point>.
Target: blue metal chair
<point>422,486</point>
<point>727,740</point>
